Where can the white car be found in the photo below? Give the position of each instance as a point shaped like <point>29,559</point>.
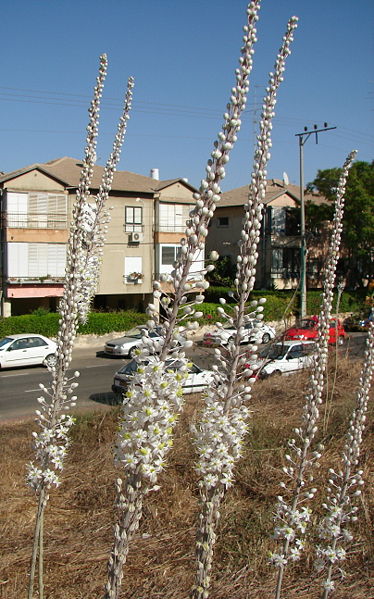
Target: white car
<point>285,357</point>
<point>26,350</point>
<point>222,336</point>
<point>197,380</point>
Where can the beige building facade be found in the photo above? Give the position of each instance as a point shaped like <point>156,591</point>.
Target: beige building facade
<point>278,263</point>
<point>147,222</point>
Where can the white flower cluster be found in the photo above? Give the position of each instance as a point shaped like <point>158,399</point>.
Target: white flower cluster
<point>345,485</point>
<point>178,308</point>
<point>92,222</point>
<point>219,442</point>
<point>232,386</point>
<point>301,458</point>
<point>182,279</point>
<point>83,257</point>
<point>51,447</point>
<point>247,259</point>
<point>52,440</point>
<point>220,432</point>
<point>149,414</point>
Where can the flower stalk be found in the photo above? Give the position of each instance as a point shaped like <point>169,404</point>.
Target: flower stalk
<point>223,424</point>
<point>84,250</point>
<point>155,398</point>
<point>293,516</point>
<point>345,484</point>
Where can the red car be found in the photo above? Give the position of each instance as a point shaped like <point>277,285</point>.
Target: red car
<point>307,329</point>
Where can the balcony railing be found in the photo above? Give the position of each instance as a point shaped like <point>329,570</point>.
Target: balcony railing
<point>35,221</point>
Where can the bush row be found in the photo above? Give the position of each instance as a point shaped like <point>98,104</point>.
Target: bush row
<point>99,323</point>
<point>279,305</point>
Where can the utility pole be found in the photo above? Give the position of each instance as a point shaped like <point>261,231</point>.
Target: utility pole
<point>303,138</point>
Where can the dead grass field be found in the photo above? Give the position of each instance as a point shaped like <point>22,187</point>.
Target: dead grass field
<point>79,518</point>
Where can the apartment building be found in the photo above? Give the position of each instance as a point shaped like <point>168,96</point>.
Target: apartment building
<point>147,222</point>
<point>278,263</point>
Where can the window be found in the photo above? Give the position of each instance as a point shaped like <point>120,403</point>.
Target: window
<point>169,254</point>
<point>285,262</point>
<point>278,220</point>
<point>37,210</point>
<point>171,217</point>
<point>223,221</point>
<point>36,260</point>
<point>133,219</point>
<point>133,269</point>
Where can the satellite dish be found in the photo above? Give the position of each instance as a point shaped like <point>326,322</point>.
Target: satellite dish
<point>286,180</point>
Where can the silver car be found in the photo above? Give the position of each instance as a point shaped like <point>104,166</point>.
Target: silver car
<point>125,346</point>
<point>254,332</point>
<point>26,349</point>
<point>197,380</point>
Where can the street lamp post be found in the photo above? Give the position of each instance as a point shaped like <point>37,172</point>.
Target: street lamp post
<point>303,138</point>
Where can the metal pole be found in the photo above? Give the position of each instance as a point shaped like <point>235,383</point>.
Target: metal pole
<point>303,138</point>
<point>302,233</point>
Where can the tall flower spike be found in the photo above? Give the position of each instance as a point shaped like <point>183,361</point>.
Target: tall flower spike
<point>293,518</point>
<point>223,424</point>
<point>95,218</point>
<point>83,251</point>
<point>344,485</point>
<point>154,400</point>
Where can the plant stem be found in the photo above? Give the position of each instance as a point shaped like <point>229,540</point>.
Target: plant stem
<point>129,514</point>
<point>36,542</point>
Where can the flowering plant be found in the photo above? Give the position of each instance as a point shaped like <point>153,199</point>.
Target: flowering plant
<point>135,275</point>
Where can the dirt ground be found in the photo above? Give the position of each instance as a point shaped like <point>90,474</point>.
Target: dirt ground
<point>80,515</point>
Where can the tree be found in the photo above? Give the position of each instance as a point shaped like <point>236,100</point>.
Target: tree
<point>358,223</point>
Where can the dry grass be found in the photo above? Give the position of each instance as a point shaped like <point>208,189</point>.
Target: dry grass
<point>160,564</point>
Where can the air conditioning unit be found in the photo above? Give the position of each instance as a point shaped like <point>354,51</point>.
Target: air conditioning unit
<point>136,237</point>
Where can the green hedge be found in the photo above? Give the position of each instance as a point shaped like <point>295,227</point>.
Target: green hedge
<point>274,309</point>
<point>349,302</point>
<point>98,323</point>
<point>282,303</point>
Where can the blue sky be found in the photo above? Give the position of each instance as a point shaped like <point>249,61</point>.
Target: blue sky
<point>183,55</point>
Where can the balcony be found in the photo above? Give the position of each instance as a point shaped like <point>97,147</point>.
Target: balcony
<point>35,221</point>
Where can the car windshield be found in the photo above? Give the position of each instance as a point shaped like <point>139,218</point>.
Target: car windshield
<point>129,368</point>
<point>5,341</point>
<point>276,352</point>
<point>134,333</point>
<point>306,324</point>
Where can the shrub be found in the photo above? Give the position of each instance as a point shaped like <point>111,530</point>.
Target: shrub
<point>98,323</point>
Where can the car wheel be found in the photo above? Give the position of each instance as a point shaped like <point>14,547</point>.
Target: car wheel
<point>265,338</point>
<point>50,360</point>
<point>132,351</point>
<point>276,373</point>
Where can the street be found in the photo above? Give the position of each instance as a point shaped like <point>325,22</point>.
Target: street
<point>19,388</point>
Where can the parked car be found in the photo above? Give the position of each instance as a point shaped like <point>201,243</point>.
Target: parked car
<point>222,336</point>
<point>125,346</point>
<point>26,350</point>
<point>197,380</point>
<point>359,322</point>
<point>307,329</point>
<point>284,357</point>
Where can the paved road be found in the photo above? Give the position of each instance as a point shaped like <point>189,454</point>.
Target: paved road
<point>19,388</point>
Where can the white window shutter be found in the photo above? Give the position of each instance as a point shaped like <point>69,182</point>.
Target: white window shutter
<point>17,209</point>
<point>133,264</point>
